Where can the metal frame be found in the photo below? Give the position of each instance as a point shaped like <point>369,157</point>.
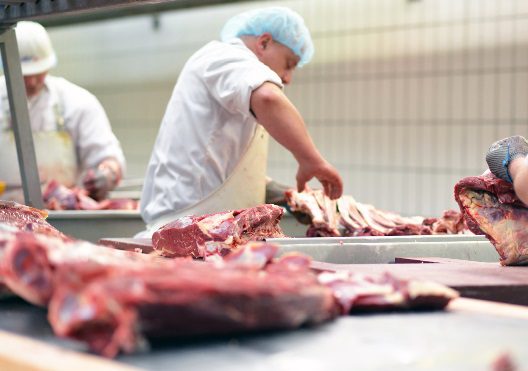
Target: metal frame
<point>16,10</point>
<point>20,119</point>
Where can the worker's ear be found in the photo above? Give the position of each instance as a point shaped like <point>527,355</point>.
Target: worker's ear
<point>263,41</point>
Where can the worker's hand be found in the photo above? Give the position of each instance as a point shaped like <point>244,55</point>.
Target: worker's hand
<point>100,180</point>
<point>325,173</point>
<point>503,152</point>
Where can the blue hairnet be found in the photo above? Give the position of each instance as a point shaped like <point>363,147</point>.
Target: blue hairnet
<point>284,25</point>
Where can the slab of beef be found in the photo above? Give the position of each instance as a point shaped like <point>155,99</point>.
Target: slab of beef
<point>59,197</point>
<point>359,293</point>
<point>28,261</point>
<point>115,311</point>
<point>7,232</point>
<point>322,211</point>
<point>17,217</point>
<point>350,218</point>
<point>26,218</point>
<point>200,236</point>
<point>451,222</point>
<point>248,290</point>
<point>491,207</point>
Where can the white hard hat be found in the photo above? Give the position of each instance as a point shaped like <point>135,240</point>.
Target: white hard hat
<point>34,45</point>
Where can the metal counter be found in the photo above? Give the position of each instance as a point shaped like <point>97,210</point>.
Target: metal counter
<point>382,250</point>
<point>454,340</point>
<point>94,225</point>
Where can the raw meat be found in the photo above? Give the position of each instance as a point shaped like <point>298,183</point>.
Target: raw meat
<point>350,218</point>
<point>491,207</point>
<point>200,236</point>
<point>188,298</point>
<point>358,293</point>
<point>322,211</point>
<point>451,222</point>
<point>59,197</point>
<point>8,231</point>
<point>28,261</point>
<point>27,218</point>
<point>114,309</point>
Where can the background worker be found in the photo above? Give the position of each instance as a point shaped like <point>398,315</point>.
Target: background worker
<point>74,142</point>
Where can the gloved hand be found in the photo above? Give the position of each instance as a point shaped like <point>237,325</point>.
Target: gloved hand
<point>275,192</point>
<point>504,151</point>
<point>301,217</point>
<point>100,180</point>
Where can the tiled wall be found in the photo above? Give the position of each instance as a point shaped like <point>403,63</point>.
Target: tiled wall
<point>404,97</point>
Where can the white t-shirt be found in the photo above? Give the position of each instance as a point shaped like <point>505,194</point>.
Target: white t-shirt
<point>206,128</point>
<point>84,119</point>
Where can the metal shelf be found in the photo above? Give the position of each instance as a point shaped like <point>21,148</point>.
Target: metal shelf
<point>62,12</point>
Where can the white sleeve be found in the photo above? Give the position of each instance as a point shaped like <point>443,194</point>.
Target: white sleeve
<point>90,128</point>
<point>232,80</point>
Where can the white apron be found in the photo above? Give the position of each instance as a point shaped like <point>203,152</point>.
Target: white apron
<point>55,153</point>
<point>245,186</point>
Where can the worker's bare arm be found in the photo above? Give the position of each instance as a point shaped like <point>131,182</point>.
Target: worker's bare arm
<point>283,121</point>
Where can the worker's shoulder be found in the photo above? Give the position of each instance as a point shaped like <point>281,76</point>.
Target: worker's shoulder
<point>215,51</point>
<point>69,90</point>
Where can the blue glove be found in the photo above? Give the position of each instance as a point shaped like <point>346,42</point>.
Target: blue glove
<point>503,152</point>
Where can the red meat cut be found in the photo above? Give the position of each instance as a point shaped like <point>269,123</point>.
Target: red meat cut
<point>491,207</point>
<point>28,261</point>
<point>348,218</point>
<point>200,236</point>
<point>26,218</point>
<point>188,298</point>
<point>114,309</point>
<point>59,197</point>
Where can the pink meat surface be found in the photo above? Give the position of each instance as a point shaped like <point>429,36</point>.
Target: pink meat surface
<point>116,310</point>
<point>26,218</point>
<point>491,207</point>
<point>349,218</point>
<point>28,262</point>
<point>199,236</point>
<point>59,197</point>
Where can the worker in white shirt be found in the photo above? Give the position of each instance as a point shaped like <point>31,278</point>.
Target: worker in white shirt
<point>508,159</point>
<point>74,142</point>
<point>211,151</point>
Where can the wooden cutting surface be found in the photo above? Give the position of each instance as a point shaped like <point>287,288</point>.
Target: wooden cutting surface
<point>488,281</point>
<point>22,353</point>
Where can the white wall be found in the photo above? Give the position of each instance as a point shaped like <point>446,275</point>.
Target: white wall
<point>404,97</point>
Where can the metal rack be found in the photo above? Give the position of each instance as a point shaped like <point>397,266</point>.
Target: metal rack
<point>12,11</point>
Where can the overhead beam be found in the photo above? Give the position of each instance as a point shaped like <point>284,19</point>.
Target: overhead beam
<point>62,12</point>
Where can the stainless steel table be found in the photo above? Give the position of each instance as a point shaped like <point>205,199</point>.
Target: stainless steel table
<point>381,250</point>
<point>455,340</point>
<point>94,225</point>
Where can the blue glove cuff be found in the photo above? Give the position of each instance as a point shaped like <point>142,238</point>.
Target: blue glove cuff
<point>506,163</point>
